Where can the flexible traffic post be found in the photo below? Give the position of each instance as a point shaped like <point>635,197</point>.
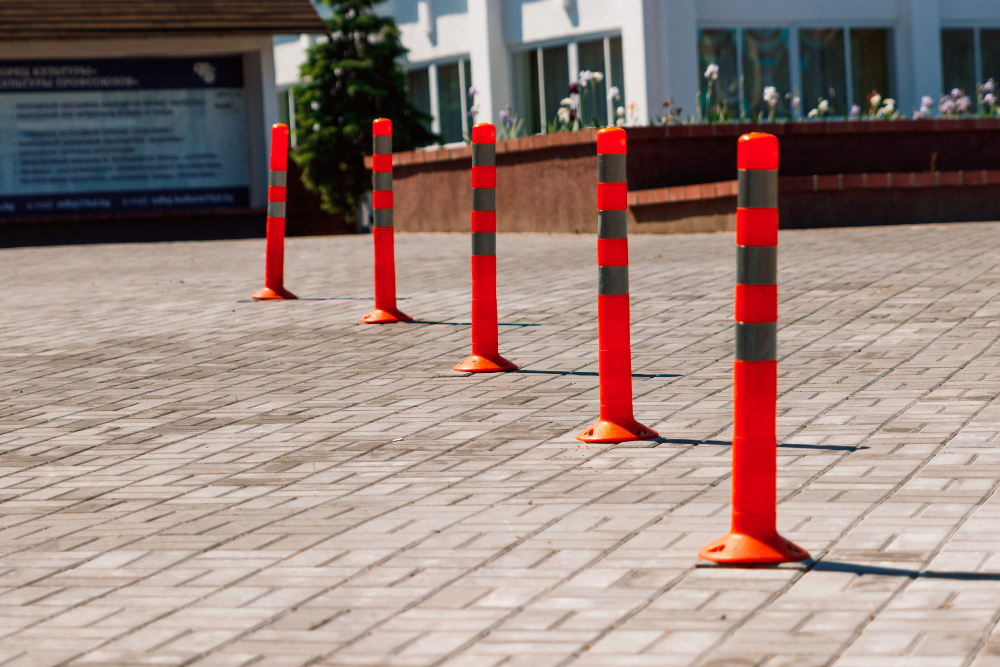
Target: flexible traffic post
<point>382,230</point>
<point>617,422</point>
<point>274,262</point>
<point>485,356</point>
<point>753,538</point>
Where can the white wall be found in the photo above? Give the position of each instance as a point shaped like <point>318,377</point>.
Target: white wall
<point>659,37</point>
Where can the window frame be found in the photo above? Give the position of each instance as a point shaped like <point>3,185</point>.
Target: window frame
<point>795,55</point>
<point>462,60</point>
<point>571,44</point>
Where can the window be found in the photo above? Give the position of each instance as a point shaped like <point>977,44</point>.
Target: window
<point>871,65</point>
<point>989,43</point>
<point>824,74</point>
<point>541,78</point>
<point>719,47</point>
<point>765,63</point>
<point>449,103</point>
<point>969,56</point>
<point>418,88</point>
<point>594,105</point>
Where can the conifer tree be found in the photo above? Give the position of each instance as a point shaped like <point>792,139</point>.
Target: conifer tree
<point>348,82</point>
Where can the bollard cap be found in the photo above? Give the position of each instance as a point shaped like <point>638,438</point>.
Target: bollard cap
<point>279,147</point>
<point>757,150</point>
<point>382,127</point>
<point>611,141</point>
<point>484,133</point>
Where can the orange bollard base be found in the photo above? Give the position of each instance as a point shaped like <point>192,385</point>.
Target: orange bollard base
<point>741,549</point>
<point>268,294</point>
<point>610,432</point>
<point>383,316</point>
<point>479,364</point>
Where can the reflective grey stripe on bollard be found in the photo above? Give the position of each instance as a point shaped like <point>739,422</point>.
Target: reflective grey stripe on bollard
<point>381,180</point>
<point>612,224</point>
<point>484,199</point>
<point>278,179</point>
<point>611,168</point>
<point>276,209</point>
<point>484,155</point>
<point>382,145</point>
<point>484,243</point>
<point>756,265</point>
<point>756,341</point>
<point>758,188</point>
<point>612,280</point>
<point>382,217</point>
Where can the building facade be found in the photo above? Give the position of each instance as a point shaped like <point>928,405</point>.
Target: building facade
<point>524,54</point>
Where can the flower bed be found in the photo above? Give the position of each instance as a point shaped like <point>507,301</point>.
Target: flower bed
<point>547,183</point>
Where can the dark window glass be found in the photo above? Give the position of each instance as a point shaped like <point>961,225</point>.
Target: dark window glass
<point>555,62</point>
<point>718,47</point>
<point>989,43</point>
<point>470,101</point>
<point>823,72</point>
<point>958,60</point>
<point>419,90</point>
<point>526,102</point>
<point>765,63</point>
<point>617,71</point>
<point>871,64</point>
<point>449,103</point>
<point>594,102</point>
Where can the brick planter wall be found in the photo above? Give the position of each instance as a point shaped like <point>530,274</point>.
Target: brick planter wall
<point>547,183</point>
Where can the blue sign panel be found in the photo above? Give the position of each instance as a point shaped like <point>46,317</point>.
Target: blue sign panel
<point>108,136</point>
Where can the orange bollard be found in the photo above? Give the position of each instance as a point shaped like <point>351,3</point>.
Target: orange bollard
<point>485,335</point>
<point>382,231</point>
<point>753,538</point>
<point>617,422</point>
<point>274,263</point>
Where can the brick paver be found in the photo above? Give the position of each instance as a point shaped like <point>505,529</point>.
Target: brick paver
<point>188,477</point>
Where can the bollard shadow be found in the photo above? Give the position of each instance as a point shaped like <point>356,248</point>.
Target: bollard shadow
<point>593,374</point>
<point>729,443</point>
<point>320,298</point>
<point>469,324</point>
<point>855,568</point>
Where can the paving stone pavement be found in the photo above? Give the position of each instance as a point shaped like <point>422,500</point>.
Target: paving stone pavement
<point>191,478</point>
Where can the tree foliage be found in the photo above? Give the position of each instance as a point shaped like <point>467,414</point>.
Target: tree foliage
<point>347,82</point>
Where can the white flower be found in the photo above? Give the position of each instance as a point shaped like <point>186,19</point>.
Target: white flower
<point>946,105</point>
<point>926,102</point>
<point>964,103</point>
<point>955,93</point>
<point>620,122</point>
<point>472,91</point>
<point>875,100</point>
<point>890,104</point>
<point>855,111</point>
<point>563,115</point>
<point>316,127</point>
<point>566,102</point>
<point>712,72</point>
<point>314,106</point>
<point>824,106</point>
<point>614,93</point>
<point>598,77</point>
<point>771,96</point>
<point>989,98</point>
<point>814,113</point>
<point>620,111</point>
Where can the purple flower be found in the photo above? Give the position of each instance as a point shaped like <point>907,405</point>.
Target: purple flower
<point>472,91</point>
<point>926,102</point>
<point>945,105</point>
<point>855,111</point>
<point>989,87</point>
<point>574,89</point>
<point>990,99</point>
<point>955,93</point>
